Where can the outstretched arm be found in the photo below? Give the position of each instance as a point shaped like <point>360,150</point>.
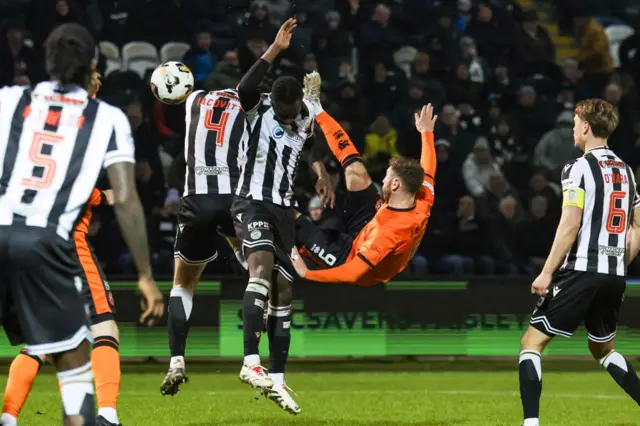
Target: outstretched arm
<point>248,87</point>
<point>425,123</point>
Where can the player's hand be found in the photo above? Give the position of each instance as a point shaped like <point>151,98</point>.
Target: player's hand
<point>152,302</point>
<point>298,263</point>
<point>108,196</point>
<point>541,284</point>
<point>425,120</point>
<point>325,191</point>
<point>283,39</point>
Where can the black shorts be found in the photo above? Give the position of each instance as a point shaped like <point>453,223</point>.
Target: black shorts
<point>40,287</point>
<point>329,247</point>
<point>202,218</point>
<point>95,287</point>
<point>576,296</point>
<point>264,226</point>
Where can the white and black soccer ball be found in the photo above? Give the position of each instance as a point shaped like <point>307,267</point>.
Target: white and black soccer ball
<point>172,82</point>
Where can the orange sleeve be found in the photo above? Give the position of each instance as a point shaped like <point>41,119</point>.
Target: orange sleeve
<point>332,130</point>
<point>96,197</point>
<point>348,273</point>
<point>428,157</point>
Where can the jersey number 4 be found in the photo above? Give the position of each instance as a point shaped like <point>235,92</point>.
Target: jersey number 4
<point>44,168</point>
<point>218,127</point>
<point>617,218</point>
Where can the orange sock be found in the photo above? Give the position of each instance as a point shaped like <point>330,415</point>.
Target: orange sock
<point>105,362</point>
<point>22,373</point>
<point>338,140</point>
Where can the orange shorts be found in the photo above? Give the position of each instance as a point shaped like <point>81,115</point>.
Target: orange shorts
<point>95,288</point>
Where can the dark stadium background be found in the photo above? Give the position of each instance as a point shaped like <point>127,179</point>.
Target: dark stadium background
<point>504,76</point>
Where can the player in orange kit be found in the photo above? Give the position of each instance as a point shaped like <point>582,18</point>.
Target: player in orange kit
<point>380,238</point>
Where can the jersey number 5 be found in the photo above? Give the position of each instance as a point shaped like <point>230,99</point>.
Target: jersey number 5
<point>616,213</point>
<point>44,168</point>
<point>218,127</point>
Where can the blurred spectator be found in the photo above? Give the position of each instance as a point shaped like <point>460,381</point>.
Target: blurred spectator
<point>421,70</point>
<point>556,147</point>
<point>258,25</point>
<point>332,40</point>
<point>449,128</point>
<point>384,88</point>
<point>15,56</point>
<point>619,139</point>
<point>378,37</point>
<point>442,40</point>
<point>461,89</point>
<point>539,186</point>
<point>594,57</point>
<point>573,77</point>
<point>200,58</point>
<point>536,234</point>
<point>315,210</point>
<point>533,51</point>
<point>479,70</point>
<point>533,116</point>
<point>380,146</point>
<point>491,34</point>
<point>469,245</point>
<point>505,236</point>
<point>478,167</point>
<point>449,185</point>
<point>470,118</point>
<point>227,73</point>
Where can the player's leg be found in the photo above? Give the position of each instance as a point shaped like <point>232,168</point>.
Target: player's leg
<point>557,314</point>
<point>105,356</point>
<point>22,374</point>
<point>254,225</point>
<point>601,324</point>
<point>195,247</point>
<point>52,315</point>
<point>279,332</point>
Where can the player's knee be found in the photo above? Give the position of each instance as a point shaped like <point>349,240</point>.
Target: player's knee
<point>187,276</point>
<point>600,350</point>
<point>533,339</point>
<point>106,328</point>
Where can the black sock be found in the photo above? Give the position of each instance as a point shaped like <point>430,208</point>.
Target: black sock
<point>623,373</point>
<point>253,302</point>
<point>180,306</point>
<point>530,369</point>
<point>279,332</point>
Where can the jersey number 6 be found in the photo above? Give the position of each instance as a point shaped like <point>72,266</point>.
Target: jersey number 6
<point>218,127</point>
<point>616,213</point>
<point>42,161</point>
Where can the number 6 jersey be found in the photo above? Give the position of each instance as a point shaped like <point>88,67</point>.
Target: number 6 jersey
<point>604,187</point>
<point>53,146</point>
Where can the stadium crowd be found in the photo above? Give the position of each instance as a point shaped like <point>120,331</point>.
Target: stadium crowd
<point>505,105</point>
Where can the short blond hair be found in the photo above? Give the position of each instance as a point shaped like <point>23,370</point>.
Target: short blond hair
<point>600,115</point>
<point>94,84</point>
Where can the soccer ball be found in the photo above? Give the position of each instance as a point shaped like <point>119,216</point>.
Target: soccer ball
<point>172,83</point>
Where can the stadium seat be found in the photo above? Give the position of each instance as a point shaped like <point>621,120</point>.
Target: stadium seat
<point>110,50</point>
<point>173,51</point>
<point>616,35</point>
<point>139,56</point>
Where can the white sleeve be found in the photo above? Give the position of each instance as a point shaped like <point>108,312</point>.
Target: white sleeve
<point>573,175</point>
<point>121,147</point>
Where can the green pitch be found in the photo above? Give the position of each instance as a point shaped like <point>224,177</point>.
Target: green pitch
<point>377,399</point>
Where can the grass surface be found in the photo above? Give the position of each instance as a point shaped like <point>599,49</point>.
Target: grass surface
<point>403,399</point>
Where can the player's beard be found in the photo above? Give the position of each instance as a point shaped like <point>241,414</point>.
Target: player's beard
<point>386,193</point>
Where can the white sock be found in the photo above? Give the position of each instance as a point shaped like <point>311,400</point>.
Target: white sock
<point>531,422</point>
<point>110,414</point>
<point>252,360</point>
<point>616,359</point>
<point>278,378</point>
<point>187,299</point>
<point>177,362</point>
<point>534,356</point>
<point>8,420</point>
<point>75,386</point>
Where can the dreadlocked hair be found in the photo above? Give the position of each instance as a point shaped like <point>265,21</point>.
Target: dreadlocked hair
<point>70,50</point>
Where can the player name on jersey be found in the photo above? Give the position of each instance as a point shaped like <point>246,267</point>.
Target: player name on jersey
<point>217,132</point>
<point>604,186</point>
<point>273,153</point>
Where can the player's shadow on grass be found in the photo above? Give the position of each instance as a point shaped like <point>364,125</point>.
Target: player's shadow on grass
<point>307,422</point>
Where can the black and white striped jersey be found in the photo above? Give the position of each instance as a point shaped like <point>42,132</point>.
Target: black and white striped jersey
<point>273,153</point>
<point>52,148</point>
<point>604,186</point>
<point>217,132</point>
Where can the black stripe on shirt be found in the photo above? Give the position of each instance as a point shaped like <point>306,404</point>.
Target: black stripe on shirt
<point>191,142</point>
<point>269,172</point>
<point>235,139</point>
<point>13,143</point>
<point>254,141</point>
<point>75,164</point>
<point>596,215</point>
<point>284,183</point>
<point>613,238</point>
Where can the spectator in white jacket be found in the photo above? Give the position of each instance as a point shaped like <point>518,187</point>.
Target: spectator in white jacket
<point>478,167</point>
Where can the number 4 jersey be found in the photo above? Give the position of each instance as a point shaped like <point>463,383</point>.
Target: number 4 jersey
<point>53,146</point>
<point>604,187</point>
